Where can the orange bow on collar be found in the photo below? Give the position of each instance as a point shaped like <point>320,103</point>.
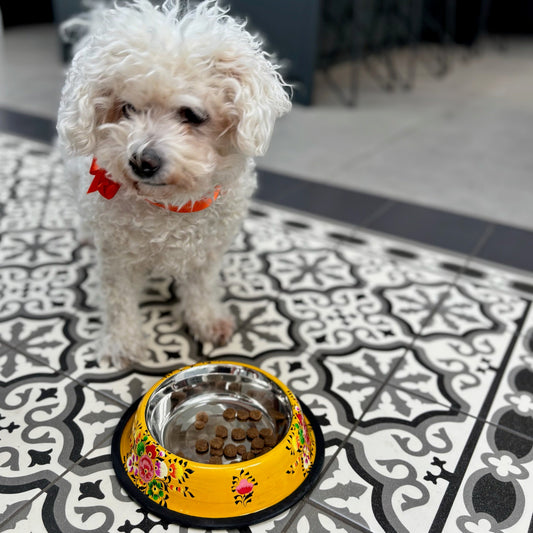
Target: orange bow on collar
<point>101,183</point>
<point>108,188</point>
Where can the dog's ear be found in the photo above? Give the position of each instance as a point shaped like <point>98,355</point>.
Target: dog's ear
<point>259,97</point>
<point>83,107</point>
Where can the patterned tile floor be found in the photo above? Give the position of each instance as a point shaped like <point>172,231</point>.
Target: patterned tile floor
<point>417,362</point>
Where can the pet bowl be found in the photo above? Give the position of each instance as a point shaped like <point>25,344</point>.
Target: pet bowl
<point>218,444</point>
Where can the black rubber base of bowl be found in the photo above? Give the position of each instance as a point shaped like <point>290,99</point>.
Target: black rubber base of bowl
<point>217,523</point>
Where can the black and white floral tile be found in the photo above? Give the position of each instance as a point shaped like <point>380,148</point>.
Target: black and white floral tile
<point>418,364</point>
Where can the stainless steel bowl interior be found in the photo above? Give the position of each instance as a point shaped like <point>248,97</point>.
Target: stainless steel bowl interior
<point>172,409</point>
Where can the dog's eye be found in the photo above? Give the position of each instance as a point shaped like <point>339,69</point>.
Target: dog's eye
<point>191,116</point>
<point>128,110</point>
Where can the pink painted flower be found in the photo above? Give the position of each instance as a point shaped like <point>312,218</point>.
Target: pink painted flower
<point>146,469</point>
<point>244,487</point>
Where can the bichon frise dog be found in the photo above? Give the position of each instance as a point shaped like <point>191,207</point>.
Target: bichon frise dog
<point>162,112</point>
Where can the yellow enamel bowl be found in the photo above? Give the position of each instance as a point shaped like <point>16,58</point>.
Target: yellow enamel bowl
<point>168,457</point>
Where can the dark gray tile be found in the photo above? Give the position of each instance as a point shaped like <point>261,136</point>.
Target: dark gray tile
<point>510,246</point>
<point>431,226</point>
<point>348,206</point>
<point>37,128</point>
<point>273,186</point>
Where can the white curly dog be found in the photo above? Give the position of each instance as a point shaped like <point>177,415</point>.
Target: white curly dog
<point>161,114</point>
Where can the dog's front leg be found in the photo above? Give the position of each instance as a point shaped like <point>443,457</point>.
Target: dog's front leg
<point>207,317</point>
<point>122,341</point>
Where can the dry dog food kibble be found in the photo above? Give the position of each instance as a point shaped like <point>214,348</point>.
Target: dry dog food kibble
<point>276,415</point>
<point>266,432</point>
<point>256,415</point>
<point>217,443</point>
<point>258,443</point>
<point>238,434</point>
<point>230,451</point>
<point>262,440</point>
<point>221,432</point>
<point>176,398</point>
<point>270,441</point>
<point>252,433</point>
<point>202,446</point>
<point>243,415</point>
<point>202,416</point>
<point>229,414</point>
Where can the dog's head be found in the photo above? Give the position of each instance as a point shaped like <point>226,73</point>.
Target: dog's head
<point>166,99</point>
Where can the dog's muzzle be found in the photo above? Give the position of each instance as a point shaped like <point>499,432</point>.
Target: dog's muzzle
<point>145,164</point>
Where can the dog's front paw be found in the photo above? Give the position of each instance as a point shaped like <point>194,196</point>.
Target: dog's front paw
<point>121,353</point>
<point>217,331</point>
<point>221,331</point>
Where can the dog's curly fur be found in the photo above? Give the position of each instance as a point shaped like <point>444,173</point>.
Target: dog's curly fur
<point>194,90</point>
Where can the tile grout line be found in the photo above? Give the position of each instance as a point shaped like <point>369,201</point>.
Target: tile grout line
<point>293,514</point>
<point>378,213</point>
<point>339,516</point>
<point>489,231</point>
<point>48,194</point>
<point>349,434</point>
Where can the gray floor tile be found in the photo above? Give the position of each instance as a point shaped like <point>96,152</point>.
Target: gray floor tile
<point>509,246</point>
<point>455,232</point>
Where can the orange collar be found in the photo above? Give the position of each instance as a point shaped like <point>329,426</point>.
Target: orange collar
<point>190,207</point>
<point>108,188</point>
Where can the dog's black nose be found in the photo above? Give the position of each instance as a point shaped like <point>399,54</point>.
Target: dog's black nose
<point>145,164</point>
